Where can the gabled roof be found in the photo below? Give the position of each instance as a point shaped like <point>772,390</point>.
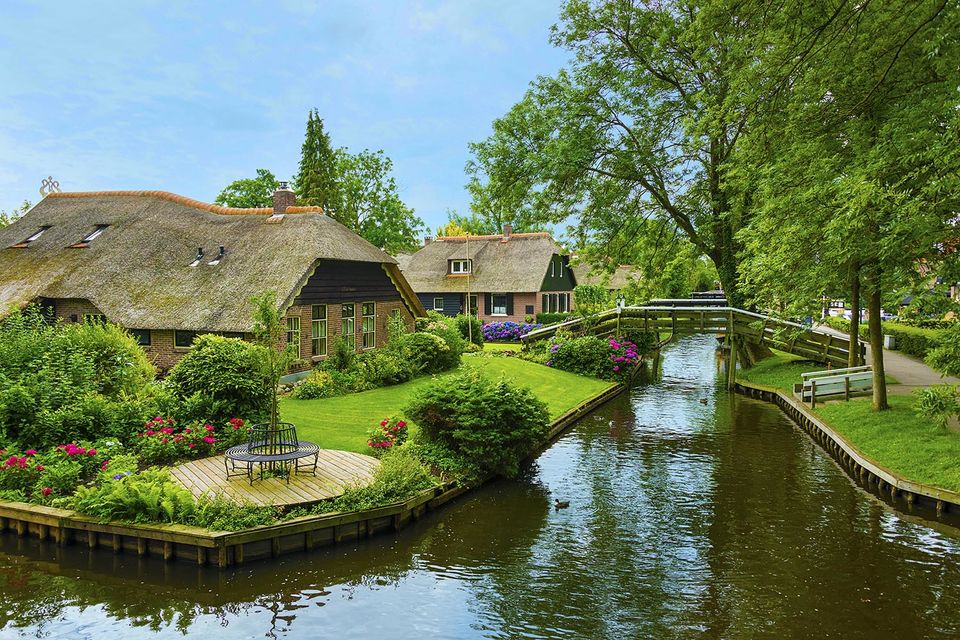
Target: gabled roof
<point>518,263</point>
<point>624,274</point>
<point>137,272</point>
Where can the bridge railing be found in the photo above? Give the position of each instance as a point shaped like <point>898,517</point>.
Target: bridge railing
<point>780,334</point>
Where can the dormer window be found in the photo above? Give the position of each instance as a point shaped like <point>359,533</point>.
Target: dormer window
<point>460,267</point>
<point>93,235</point>
<point>36,234</point>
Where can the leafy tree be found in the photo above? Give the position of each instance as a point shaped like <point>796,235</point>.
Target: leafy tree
<point>316,181</point>
<point>270,333</point>
<point>14,214</point>
<point>451,227</point>
<point>641,126</point>
<point>369,201</point>
<point>854,169</point>
<point>250,193</point>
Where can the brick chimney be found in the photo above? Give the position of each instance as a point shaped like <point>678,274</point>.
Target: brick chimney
<point>283,197</point>
<point>507,230</point>
<point>427,240</point>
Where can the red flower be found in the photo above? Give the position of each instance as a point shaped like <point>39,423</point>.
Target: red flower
<point>92,452</point>
<point>40,467</point>
<point>209,439</point>
<point>103,467</point>
<point>30,452</point>
<point>208,427</point>
<point>46,491</point>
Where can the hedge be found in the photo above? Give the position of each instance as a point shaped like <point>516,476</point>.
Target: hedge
<point>914,341</point>
<point>553,318</point>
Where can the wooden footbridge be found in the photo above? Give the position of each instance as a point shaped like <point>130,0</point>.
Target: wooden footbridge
<point>675,318</point>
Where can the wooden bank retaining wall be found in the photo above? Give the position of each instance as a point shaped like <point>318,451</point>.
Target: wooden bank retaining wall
<point>224,549</point>
<point>898,491</point>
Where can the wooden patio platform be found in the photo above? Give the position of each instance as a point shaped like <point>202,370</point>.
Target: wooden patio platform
<point>336,470</point>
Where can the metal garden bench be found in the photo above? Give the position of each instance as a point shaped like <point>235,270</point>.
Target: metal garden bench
<point>273,447</point>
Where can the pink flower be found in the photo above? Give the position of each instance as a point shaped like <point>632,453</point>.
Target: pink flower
<point>92,452</point>
<point>208,427</point>
<point>103,467</point>
<point>186,431</point>
<point>165,441</point>
<point>191,445</point>
<point>30,452</point>
<point>401,424</point>
<point>40,467</point>
<point>46,491</point>
<point>151,432</point>
<point>209,439</point>
<point>616,368</point>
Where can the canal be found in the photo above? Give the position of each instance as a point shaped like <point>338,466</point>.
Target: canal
<point>693,514</point>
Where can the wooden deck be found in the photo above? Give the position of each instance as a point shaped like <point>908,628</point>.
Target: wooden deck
<point>336,470</point>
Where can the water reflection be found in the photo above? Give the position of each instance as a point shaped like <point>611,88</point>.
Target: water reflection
<point>693,514</point>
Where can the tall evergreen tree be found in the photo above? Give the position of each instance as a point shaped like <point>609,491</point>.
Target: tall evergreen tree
<point>316,181</point>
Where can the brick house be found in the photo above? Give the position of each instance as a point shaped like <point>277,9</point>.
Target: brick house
<point>509,276</point>
<point>169,268</point>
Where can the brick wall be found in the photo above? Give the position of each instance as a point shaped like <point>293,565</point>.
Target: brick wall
<point>334,325</point>
<point>73,309</point>
<point>520,302</point>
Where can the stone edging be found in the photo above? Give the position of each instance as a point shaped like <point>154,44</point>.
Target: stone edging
<point>892,487</point>
<point>223,549</point>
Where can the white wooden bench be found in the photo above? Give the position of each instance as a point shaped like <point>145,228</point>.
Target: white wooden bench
<point>832,383</point>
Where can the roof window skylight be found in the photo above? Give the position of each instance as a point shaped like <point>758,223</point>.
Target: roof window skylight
<point>36,234</point>
<point>93,235</point>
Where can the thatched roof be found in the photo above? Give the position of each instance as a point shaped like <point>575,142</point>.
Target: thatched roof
<point>138,271</point>
<point>517,264</point>
<point>624,274</point>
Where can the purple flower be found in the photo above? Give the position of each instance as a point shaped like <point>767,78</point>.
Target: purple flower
<point>117,476</point>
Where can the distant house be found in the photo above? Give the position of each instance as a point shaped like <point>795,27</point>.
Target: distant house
<point>169,268</point>
<point>623,275</point>
<point>509,276</point>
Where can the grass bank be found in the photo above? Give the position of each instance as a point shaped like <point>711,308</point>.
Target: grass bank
<point>898,439</point>
<point>342,422</point>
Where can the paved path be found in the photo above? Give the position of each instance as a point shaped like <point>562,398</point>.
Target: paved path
<point>910,373</point>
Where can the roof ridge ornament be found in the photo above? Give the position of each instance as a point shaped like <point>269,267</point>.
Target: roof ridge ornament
<point>48,185</point>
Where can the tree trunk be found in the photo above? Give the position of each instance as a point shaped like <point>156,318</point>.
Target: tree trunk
<point>853,360</point>
<point>876,347</point>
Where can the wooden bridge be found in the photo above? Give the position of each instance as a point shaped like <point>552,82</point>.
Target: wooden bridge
<point>678,317</point>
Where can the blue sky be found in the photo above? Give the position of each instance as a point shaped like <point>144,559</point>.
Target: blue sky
<point>187,97</point>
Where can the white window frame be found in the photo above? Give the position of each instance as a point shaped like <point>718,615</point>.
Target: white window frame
<point>435,307</point>
<point>562,303</point>
<point>493,304</point>
<point>36,235</point>
<point>349,336</point>
<point>460,267</point>
<point>96,233</point>
<point>553,268</point>
<point>318,343</point>
<point>293,334</point>
<point>363,326</point>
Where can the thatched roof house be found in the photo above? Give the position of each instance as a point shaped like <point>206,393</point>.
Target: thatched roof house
<point>623,275</point>
<point>156,261</point>
<point>511,275</point>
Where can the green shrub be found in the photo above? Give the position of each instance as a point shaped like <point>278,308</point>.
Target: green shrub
<point>591,298</point>
<point>400,476</point>
<point>149,496</point>
<point>122,464</point>
<point>384,367</point>
<point>341,355</point>
<point>420,324</point>
<point>945,356</point>
<point>586,355</point>
<point>426,352</point>
<point>553,318</point>
<point>492,425</point>
<point>119,364</point>
<point>914,341</point>
<point>464,324</point>
<point>61,477</point>
<point>319,384</point>
<point>449,359</point>
<point>221,378</point>
<point>937,403</point>
<point>219,514</point>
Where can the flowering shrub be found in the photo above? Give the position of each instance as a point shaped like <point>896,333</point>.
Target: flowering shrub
<point>391,432</point>
<point>610,359</point>
<point>623,355</point>
<point>162,441</point>
<point>19,473</point>
<point>508,330</point>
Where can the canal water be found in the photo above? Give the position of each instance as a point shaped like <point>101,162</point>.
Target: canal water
<point>693,514</point>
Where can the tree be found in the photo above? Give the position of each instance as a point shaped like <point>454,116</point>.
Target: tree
<point>855,167</point>
<point>369,201</point>
<point>250,193</point>
<point>642,125</point>
<point>452,227</point>
<point>14,214</point>
<point>316,182</point>
<point>270,334</point>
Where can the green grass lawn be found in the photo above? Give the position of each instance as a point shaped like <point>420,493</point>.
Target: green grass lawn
<point>342,422</point>
<point>898,439</point>
<point>502,346</point>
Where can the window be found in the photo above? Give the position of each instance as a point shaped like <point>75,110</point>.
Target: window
<point>293,334</point>
<point>560,267</point>
<point>348,325</point>
<point>438,304</point>
<point>499,304</point>
<point>553,268</point>
<point>142,336</point>
<point>36,234</point>
<point>184,339</point>
<point>563,303</point>
<point>460,266</point>
<point>318,329</point>
<point>528,310</point>
<point>94,318</point>
<point>369,325</point>
<point>473,305</point>
<point>93,235</point>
